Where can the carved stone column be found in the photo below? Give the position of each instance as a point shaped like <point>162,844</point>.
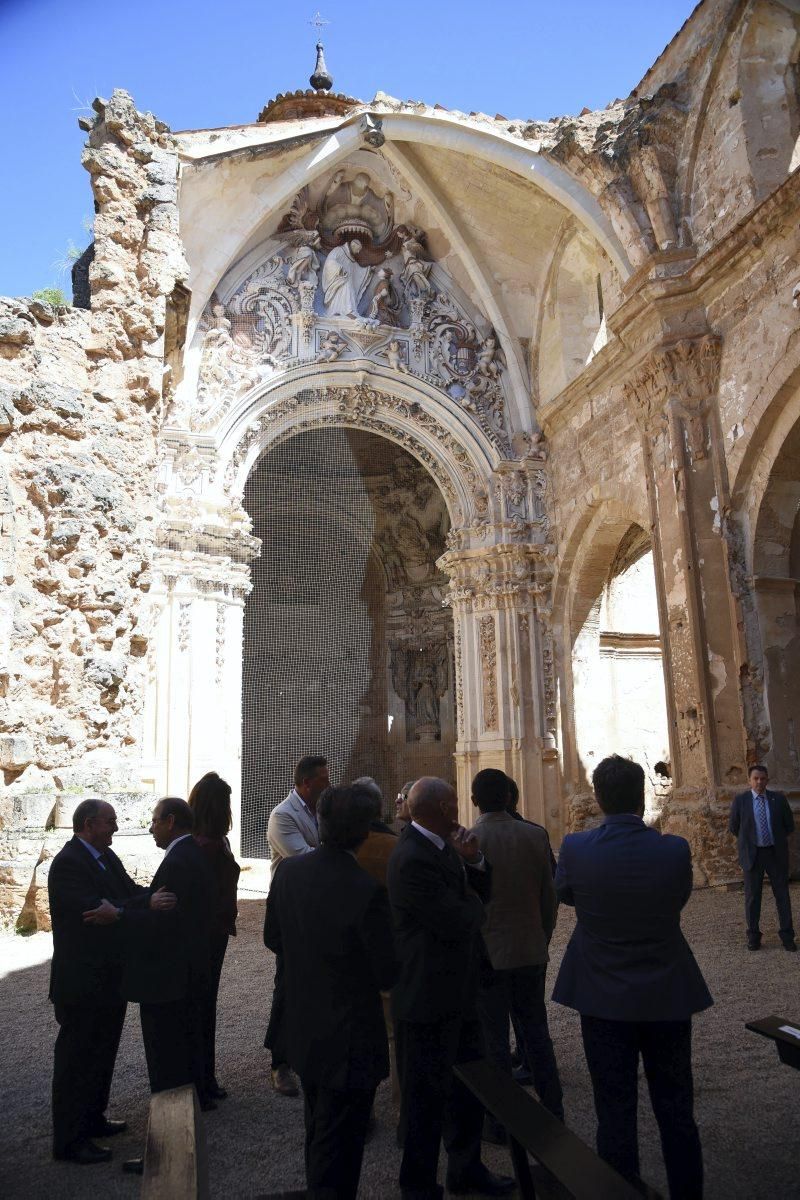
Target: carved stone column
<point>673,396</point>
<point>500,574</point>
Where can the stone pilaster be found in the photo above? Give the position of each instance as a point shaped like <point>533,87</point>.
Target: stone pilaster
<point>673,395</point>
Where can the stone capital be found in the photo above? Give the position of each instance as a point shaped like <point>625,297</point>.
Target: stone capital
<point>683,374</point>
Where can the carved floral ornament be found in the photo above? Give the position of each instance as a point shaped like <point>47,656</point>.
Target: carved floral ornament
<point>343,279</point>
<point>503,576</point>
<point>685,372</point>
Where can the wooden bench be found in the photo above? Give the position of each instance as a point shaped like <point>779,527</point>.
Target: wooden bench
<point>175,1163</point>
<point>566,1168</point>
<point>788,1044</point>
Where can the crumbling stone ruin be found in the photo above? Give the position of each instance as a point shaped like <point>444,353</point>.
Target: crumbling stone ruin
<point>438,440</point>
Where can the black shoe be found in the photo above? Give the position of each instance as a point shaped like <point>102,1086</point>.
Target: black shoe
<point>215,1092</point>
<point>84,1152</point>
<point>522,1076</point>
<point>207,1104</point>
<point>482,1181</point>
<point>754,941</point>
<point>133,1166</point>
<point>108,1127</point>
<point>789,944</point>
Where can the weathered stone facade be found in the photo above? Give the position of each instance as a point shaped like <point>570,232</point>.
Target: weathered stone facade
<point>584,330</point>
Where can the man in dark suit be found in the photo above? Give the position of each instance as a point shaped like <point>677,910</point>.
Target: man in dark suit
<point>167,962</point>
<point>438,881</point>
<point>85,979</point>
<point>762,821</point>
<point>631,975</point>
<point>331,924</point>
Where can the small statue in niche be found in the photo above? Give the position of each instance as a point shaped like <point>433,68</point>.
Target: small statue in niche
<point>489,359</point>
<point>393,353</point>
<point>331,347</point>
<point>302,264</point>
<point>385,306</point>
<point>426,703</point>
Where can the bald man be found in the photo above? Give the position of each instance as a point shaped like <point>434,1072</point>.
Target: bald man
<point>438,883</point>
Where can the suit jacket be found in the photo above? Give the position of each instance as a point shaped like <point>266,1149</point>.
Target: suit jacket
<point>552,858</point>
<point>437,906</point>
<point>225,872</point>
<point>332,926</point>
<point>521,915</point>
<point>87,959</point>
<point>291,830</point>
<point>627,959</point>
<point>374,853</point>
<point>742,823</point>
<point>167,953</point>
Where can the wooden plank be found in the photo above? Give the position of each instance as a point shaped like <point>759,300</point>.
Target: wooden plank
<point>787,1043</point>
<point>575,1168</point>
<point>175,1163</point>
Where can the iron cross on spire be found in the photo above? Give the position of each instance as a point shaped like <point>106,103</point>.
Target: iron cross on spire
<point>318,21</point>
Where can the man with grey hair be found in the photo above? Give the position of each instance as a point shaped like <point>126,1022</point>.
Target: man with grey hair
<point>438,882</point>
<point>85,978</point>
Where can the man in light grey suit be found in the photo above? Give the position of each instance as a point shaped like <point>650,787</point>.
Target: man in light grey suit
<point>292,830</point>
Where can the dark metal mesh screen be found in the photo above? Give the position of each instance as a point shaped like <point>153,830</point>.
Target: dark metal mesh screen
<point>314,672</point>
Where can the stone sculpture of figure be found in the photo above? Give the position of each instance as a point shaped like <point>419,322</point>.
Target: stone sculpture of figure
<point>394,357</point>
<point>303,262</point>
<point>344,280</point>
<point>331,347</point>
<point>415,271</point>
<point>426,702</point>
<point>385,306</point>
<point>488,359</point>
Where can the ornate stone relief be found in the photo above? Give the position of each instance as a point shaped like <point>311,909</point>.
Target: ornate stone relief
<point>684,374</point>
<point>369,409</point>
<point>342,279</point>
<point>488,645</point>
<point>421,677</point>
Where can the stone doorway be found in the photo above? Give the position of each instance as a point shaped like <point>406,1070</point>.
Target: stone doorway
<point>617,668</point>
<point>348,650</point>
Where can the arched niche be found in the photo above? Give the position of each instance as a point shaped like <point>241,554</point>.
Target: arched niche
<point>776,577</point>
<point>616,669</point>
<point>347,648</point>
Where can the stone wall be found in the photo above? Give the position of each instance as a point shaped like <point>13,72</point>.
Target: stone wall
<point>80,408</point>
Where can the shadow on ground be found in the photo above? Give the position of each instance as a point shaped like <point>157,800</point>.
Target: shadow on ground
<point>747,1102</point>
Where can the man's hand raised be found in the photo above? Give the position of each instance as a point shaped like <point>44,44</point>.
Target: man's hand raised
<point>162,900</point>
<point>466,844</point>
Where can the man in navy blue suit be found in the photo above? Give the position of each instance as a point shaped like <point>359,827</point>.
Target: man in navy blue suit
<point>629,972</point>
<point>762,821</point>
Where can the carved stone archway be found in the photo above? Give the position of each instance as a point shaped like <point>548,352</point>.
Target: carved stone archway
<point>497,558</point>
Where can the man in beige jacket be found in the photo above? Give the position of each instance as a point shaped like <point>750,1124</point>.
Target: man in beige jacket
<point>520,918</point>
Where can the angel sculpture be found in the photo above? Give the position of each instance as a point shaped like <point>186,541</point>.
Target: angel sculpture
<point>393,354</point>
<point>489,359</point>
<point>331,347</point>
<point>302,264</point>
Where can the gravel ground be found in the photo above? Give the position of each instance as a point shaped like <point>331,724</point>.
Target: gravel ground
<point>746,1100</point>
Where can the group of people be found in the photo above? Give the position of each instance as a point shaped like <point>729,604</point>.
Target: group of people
<point>161,946</point>
<point>426,938</point>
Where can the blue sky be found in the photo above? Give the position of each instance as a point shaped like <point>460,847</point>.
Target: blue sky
<point>208,63</point>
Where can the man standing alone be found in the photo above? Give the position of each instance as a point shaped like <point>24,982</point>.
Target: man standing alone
<point>292,830</point>
<point>631,975</point>
<point>762,821</point>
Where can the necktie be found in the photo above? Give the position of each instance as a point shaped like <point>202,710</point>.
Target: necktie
<point>102,861</point>
<point>761,821</point>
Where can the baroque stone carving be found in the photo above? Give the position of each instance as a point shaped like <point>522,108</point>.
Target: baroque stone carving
<point>488,646</point>
<point>342,265</point>
<point>420,677</point>
<point>685,373</point>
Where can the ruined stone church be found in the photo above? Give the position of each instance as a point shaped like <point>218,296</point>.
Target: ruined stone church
<point>427,440</point>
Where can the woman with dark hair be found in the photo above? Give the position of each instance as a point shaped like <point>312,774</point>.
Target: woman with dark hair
<point>210,802</point>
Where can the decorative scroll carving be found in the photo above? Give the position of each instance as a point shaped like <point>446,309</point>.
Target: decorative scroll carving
<point>341,279</point>
<point>459,674</point>
<point>219,646</point>
<point>488,647</point>
<point>184,624</point>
